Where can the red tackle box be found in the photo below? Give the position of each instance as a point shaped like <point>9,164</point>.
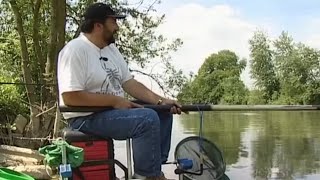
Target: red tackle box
<point>98,156</point>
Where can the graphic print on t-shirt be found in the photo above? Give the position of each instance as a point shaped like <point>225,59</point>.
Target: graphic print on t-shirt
<point>111,83</point>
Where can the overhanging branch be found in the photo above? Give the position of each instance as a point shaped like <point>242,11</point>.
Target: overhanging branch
<point>153,77</point>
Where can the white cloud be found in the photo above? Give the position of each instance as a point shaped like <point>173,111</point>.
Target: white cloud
<point>312,35</point>
<point>314,41</point>
<point>207,30</point>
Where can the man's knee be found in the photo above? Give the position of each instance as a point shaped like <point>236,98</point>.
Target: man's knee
<point>149,118</point>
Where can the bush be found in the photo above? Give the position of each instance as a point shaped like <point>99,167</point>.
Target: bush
<point>256,98</point>
<point>11,103</point>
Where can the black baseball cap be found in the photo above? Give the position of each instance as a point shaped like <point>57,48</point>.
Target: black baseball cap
<point>100,11</point>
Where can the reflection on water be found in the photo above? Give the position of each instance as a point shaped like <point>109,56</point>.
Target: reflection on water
<point>261,145</point>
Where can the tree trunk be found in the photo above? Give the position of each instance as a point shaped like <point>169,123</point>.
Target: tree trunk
<point>52,46</point>
<point>37,47</point>
<point>61,33</point>
<point>61,24</point>
<point>56,42</point>
<point>25,63</point>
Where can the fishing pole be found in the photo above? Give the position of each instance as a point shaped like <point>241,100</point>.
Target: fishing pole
<point>202,107</point>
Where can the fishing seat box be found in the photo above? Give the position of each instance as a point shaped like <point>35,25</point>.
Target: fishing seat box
<point>98,156</point>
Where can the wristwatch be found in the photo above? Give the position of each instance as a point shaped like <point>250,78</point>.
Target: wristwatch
<point>160,101</point>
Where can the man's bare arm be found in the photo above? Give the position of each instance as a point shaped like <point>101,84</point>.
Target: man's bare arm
<point>84,98</point>
<point>140,92</point>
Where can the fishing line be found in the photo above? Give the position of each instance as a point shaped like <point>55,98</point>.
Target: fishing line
<point>200,138</point>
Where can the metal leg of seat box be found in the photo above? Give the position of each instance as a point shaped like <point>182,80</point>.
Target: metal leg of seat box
<point>129,162</point>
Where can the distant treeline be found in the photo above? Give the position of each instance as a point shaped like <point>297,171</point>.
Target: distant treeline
<point>285,72</point>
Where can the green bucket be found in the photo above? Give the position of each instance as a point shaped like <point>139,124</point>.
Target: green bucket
<point>8,174</point>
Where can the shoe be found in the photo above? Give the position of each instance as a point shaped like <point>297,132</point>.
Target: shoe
<point>162,175</point>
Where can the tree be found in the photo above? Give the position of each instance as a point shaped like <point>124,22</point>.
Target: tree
<point>262,66</point>
<point>235,91</point>
<point>298,69</point>
<point>218,81</point>
<point>285,73</point>
<point>35,31</point>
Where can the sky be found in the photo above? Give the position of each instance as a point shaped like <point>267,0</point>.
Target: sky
<point>208,26</point>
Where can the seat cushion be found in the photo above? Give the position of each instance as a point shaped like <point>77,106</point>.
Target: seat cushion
<point>76,136</point>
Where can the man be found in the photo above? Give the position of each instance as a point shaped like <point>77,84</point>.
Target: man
<point>92,72</point>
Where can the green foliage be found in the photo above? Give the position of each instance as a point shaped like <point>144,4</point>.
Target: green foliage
<point>9,56</point>
<point>235,91</point>
<point>256,97</point>
<point>11,103</point>
<point>288,72</point>
<point>218,81</point>
<point>11,96</point>
<point>262,67</point>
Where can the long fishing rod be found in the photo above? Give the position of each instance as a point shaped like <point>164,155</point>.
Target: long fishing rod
<point>203,107</point>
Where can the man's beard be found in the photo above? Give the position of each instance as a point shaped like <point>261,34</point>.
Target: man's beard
<point>109,37</point>
<point>113,40</point>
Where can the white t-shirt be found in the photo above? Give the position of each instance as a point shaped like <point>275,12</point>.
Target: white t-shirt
<point>84,66</point>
